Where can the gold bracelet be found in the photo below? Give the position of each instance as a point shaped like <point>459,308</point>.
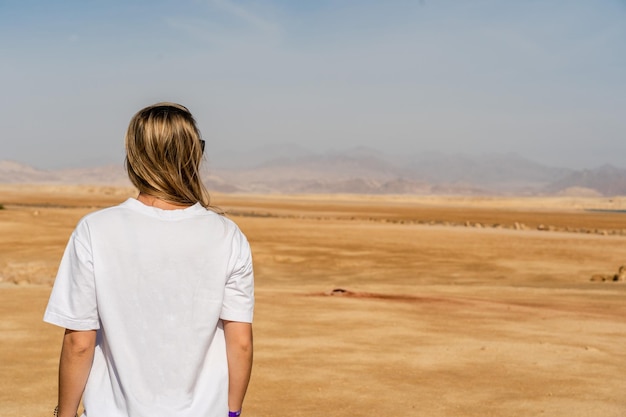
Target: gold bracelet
<point>56,412</point>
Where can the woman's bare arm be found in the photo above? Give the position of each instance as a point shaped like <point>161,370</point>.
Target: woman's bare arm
<point>74,367</point>
<point>239,351</point>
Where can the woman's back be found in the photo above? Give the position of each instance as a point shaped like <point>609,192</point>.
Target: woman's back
<point>161,281</point>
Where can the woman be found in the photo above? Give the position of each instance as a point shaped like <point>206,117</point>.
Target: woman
<point>156,294</point>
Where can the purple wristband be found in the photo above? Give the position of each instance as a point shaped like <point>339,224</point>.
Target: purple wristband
<point>234,413</point>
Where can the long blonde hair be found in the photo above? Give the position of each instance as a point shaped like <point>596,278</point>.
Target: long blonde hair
<point>163,154</point>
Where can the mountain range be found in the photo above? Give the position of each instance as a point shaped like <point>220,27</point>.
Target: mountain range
<point>293,169</point>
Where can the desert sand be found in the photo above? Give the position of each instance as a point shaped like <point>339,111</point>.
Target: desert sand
<point>443,306</point>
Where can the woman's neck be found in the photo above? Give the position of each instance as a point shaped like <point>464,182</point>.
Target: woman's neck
<point>153,201</point>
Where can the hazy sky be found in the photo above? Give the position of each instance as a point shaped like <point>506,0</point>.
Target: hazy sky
<point>544,79</point>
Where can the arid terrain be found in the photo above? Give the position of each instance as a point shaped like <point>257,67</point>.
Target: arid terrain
<point>374,306</point>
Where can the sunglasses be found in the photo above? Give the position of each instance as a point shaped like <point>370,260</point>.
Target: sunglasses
<point>202,142</point>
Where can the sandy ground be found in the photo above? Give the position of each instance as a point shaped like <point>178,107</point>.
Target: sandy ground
<point>451,308</point>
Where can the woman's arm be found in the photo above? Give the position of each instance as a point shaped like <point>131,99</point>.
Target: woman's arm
<point>75,364</point>
<point>239,352</point>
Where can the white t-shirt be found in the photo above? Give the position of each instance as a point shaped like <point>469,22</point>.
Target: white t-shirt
<point>156,283</point>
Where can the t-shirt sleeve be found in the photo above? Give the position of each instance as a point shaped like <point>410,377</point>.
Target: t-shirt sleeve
<point>238,302</point>
<point>72,304</point>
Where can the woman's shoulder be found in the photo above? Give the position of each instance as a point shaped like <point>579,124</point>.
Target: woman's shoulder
<point>106,211</point>
<point>102,216</point>
<point>228,223</point>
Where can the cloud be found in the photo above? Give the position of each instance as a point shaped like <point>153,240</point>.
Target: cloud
<point>246,15</point>
<point>225,25</point>
<point>194,28</point>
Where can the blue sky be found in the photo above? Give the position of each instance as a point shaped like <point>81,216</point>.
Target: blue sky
<point>543,79</point>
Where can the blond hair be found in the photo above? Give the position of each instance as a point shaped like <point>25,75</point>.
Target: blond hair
<point>163,154</point>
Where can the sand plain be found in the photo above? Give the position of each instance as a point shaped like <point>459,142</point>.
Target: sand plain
<point>454,306</point>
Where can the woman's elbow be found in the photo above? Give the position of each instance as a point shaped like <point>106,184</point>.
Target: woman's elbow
<point>239,336</point>
<point>80,343</point>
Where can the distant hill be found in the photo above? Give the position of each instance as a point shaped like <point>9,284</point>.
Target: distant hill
<point>293,169</point>
<point>12,172</point>
<point>606,180</point>
<point>366,170</point>
<point>496,170</point>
